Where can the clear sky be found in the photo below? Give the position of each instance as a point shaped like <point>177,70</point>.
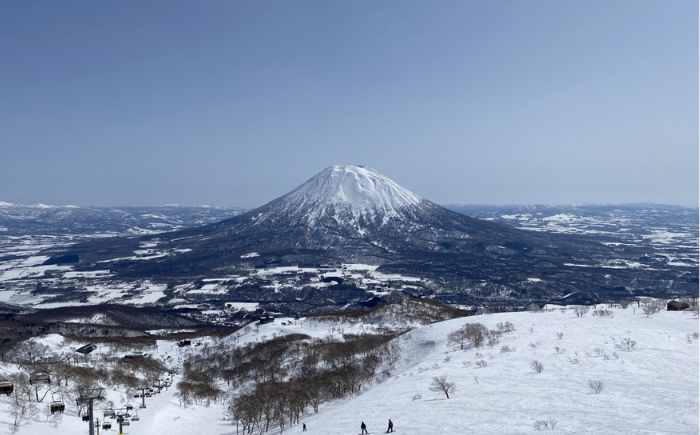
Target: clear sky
<point>233,103</point>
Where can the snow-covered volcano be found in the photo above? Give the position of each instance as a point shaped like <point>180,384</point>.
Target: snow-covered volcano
<point>352,191</point>
<point>343,207</point>
<point>353,214</point>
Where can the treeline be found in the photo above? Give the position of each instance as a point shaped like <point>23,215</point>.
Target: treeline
<point>405,311</point>
<point>275,381</point>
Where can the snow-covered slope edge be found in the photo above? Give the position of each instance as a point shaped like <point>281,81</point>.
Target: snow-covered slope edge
<point>653,388</point>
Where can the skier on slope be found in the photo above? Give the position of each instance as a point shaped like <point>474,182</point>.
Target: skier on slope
<point>391,427</point>
<point>364,428</point>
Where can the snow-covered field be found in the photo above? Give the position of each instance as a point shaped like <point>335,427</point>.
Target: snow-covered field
<point>650,389</point>
<point>21,277</point>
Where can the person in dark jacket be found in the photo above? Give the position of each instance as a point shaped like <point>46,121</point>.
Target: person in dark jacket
<point>391,427</point>
<point>364,428</point>
<point>304,427</point>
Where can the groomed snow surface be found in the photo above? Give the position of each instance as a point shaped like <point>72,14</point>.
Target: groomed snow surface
<point>651,389</point>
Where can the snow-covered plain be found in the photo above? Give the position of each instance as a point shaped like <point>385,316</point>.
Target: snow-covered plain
<point>650,389</point>
<point>101,288</point>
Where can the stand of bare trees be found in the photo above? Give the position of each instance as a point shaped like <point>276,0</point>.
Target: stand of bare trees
<point>476,335</point>
<point>274,382</point>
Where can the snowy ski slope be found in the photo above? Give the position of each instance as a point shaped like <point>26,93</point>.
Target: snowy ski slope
<point>651,389</point>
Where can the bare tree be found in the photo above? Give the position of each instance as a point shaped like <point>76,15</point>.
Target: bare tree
<point>21,407</point>
<point>651,307</point>
<point>492,337</point>
<point>603,313</point>
<point>53,418</point>
<point>391,355</point>
<point>440,384</point>
<point>457,337</point>
<point>475,332</point>
<point>595,386</point>
<point>471,332</point>
<point>545,424</point>
<point>626,344</point>
<point>581,310</point>
<point>505,327</point>
<point>536,366</point>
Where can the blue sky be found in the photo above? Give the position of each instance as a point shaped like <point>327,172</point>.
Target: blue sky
<point>234,103</point>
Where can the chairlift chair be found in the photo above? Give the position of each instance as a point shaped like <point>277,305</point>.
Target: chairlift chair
<point>57,406</point>
<point>39,377</point>
<point>135,418</point>
<point>106,426</point>
<point>129,407</point>
<point>86,416</point>
<point>126,423</point>
<point>6,387</point>
<point>109,412</point>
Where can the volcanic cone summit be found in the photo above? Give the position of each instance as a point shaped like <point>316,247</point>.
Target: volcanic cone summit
<point>347,192</point>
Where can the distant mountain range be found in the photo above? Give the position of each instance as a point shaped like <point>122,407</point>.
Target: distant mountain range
<point>352,214</point>
<point>40,219</point>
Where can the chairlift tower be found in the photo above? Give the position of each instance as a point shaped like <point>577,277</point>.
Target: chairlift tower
<point>171,372</point>
<point>143,396</point>
<point>87,397</point>
<point>121,416</point>
<point>157,384</point>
